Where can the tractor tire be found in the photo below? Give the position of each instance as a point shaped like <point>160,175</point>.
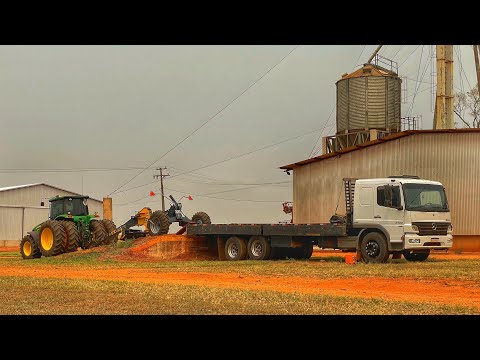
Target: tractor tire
<point>416,256</point>
<point>374,248</point>
<point>235,249</point>
<point>98,234</point>
<point>109,226</point>
<point>29,248</point>
<point>72,241</point>
<point>201,218</point>
<point>158,224</point>
<point>52,238</point>
<point>258,248</point>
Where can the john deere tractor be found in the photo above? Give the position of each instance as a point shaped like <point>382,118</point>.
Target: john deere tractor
<point>69,227</point>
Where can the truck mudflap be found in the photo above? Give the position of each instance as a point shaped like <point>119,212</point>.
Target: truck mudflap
<point>435,242</point>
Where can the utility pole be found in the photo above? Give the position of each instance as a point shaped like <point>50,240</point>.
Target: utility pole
<point>477,66</point>
<point>443,118</point>
<point>161,176</point>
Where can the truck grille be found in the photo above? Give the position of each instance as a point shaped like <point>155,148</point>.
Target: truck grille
<point>432,228</point>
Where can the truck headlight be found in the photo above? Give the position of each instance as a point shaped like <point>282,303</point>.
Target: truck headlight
<point>415,228</point>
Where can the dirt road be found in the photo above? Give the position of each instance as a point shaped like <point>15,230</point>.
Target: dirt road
<point>433,291</point>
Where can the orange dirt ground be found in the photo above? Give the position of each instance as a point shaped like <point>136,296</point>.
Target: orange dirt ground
<point>433,254</point>
<point>437,291</point>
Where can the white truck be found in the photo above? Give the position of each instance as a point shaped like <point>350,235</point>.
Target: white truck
<point>398,215</point>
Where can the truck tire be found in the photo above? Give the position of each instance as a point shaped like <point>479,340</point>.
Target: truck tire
<point>278,253</point>
<point>72,241</point>
<point>109,226</point>
<point>98,234</point>
<point>201,218</point>
<point>29,248</point>
<point>307,251</point>
<point>52,238</point>
<point>158,224</point>
<point>235,249</point>
<point>258,248</point>
<point>374,248</point>
<point>416,256</point>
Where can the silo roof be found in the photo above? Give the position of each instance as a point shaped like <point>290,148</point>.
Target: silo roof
<point>369,70</point>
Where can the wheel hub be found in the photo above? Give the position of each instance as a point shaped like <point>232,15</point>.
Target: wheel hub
<point>257,248</point>
<point>233,250</point>
<point>372,249</point>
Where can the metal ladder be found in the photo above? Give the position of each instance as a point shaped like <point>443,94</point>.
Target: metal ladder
<point>349,186</point>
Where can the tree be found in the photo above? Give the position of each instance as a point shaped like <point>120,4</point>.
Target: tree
<point>469,102</point>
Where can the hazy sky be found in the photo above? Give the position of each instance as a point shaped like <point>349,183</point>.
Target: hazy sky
<point>72,107</point>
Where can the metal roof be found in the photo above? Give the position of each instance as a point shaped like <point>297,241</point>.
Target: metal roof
<point>8,188</point>
<point>376,142</point>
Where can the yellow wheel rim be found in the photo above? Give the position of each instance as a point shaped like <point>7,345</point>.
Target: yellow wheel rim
<point>46,239</point>
<point>27,248</point>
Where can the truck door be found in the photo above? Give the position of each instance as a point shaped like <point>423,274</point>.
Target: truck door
<point>389,213</point>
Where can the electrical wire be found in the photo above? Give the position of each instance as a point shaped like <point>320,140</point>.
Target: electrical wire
<point>206,122</point>
<point>408,57</point>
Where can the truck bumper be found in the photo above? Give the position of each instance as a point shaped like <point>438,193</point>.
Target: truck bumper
<point>436,242</point>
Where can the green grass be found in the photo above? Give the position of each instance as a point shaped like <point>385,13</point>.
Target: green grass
<point>51,296</point>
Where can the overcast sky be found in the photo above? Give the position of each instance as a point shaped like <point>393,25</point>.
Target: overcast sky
<point>74,107</point>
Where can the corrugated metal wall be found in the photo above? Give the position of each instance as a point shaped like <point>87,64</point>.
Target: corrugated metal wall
<point>10,223</point>
<point>451,158</point>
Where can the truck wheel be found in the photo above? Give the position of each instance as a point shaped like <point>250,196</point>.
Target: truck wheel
<point>29,248</point>
<point>307,251</point>
<point>278,253</point>
<point>158,224</point>
<point>416,256</point>
<point>258,248</point>
<point>52,238</point>
<point>73,236</point>
<point>109,225</point>
<point>235,249</point>
<point>374,248</point>
<point>98,234</point>
<point>201,218</point>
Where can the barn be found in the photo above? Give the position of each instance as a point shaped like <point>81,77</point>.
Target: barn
<point>21,209</point>
<point>451,156</point>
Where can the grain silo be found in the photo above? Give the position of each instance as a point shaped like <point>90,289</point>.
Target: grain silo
<point>368,107</point>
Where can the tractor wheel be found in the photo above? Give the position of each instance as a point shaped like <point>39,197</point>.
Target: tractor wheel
<point>258,248</point>
<point>201,218</point>
<point>416,256</point>
<point>158,224</point>
<point>98,234</point>
<point>29,248</point>
<point>109,225</point>
<point>52,238</point>
<point>73,236</point>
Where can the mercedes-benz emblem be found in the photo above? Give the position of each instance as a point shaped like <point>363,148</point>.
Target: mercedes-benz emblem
<point>434,226</point>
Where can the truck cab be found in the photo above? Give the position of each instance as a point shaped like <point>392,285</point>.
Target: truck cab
<point>411,214</point>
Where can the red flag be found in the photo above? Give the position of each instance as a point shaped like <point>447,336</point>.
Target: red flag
<point>152,193</point>
<point>190,197</point>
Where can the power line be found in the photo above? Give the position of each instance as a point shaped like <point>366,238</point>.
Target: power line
<point>359,56</point>
<point>394,56</point>
<point>206,122</point>
<point>417,86</point>
<point>320,136</point>
<point>408,57</point>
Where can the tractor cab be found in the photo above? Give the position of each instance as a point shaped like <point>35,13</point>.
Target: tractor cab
<point>68,206</point>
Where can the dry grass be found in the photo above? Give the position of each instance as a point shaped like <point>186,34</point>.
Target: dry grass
<point>51,296</point>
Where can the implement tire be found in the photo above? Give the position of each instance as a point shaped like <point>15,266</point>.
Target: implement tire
<point>98,234</point>
<point>29,248</point>
<point>72,241</point>
<point>201,218</point>
<point>52,238</point>
<point>109,226</point>
<point>158,224</point>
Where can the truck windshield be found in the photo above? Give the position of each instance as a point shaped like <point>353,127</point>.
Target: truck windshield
<point>425,197</point>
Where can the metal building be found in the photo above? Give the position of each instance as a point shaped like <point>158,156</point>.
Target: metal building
<point>451,156</point>
<point>21,210</point>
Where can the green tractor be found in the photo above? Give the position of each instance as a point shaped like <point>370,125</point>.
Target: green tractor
<point>69,227</point>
